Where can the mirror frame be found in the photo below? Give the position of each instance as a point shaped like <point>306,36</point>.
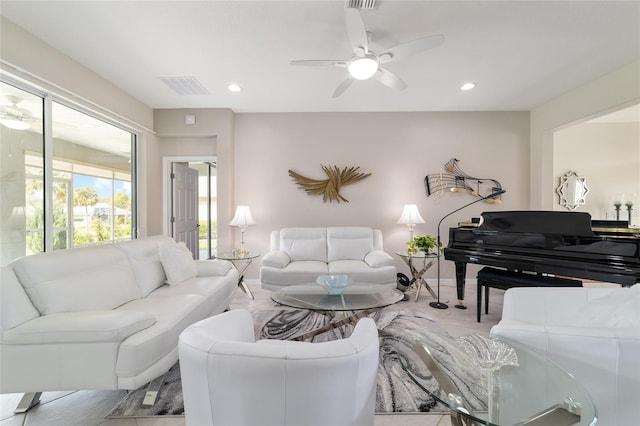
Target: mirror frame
<point>572,190</point>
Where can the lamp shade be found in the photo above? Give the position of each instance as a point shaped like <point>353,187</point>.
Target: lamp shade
<point>410,215</point>
<point>242,218</point>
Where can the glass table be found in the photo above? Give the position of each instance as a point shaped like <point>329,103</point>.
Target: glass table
<point>418,264</point>
<point>241,263</point>
<point>359,297</point>
<point>495,382</point>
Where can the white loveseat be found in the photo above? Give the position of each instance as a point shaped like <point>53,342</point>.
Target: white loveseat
<point>300,255</point>
<point>593,333</point>
<point>102,317</point>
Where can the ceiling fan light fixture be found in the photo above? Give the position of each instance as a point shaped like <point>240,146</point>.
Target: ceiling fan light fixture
<point>363,68</point>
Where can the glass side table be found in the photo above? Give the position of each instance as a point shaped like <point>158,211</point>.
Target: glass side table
<point>418,264</point>
<point>241,263</point>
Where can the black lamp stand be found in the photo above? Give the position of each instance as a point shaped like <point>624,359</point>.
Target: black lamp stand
<point>438,304</point>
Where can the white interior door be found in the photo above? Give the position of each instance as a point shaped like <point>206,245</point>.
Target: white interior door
<point>184,219</point>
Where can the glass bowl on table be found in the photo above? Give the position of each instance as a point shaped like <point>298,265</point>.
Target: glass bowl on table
<point>334,284</point>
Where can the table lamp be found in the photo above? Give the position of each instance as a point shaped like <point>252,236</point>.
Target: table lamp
<point>410,216</point>
<point>242,219</point>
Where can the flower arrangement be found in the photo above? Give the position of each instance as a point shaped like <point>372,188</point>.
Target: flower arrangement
<point>427,244</point>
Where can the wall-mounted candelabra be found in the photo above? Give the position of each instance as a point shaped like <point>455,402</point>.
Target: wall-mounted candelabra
<point>617,204</point>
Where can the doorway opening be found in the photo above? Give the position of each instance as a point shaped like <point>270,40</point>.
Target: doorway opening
<point>605,151</point>
<point>207,208</point>
<point>191,203</point>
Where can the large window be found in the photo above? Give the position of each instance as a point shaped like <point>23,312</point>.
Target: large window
<point>67,187</point>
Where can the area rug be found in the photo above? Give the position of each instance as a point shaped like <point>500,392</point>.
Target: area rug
<point>396,392</point>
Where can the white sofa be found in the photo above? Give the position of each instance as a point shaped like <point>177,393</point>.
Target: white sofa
<point>300,255</point>
<point>229,378</point>
<point>593,333</point>
<point>102,317</point>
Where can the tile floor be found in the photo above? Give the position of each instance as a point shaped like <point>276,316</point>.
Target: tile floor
<point>88,408</point>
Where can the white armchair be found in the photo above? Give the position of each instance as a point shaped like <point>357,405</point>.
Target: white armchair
<point>230,379</point>
<point>593,333</point>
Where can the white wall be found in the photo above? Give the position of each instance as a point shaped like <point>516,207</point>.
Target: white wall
<point>612,92</point>
<point>28,58</point>
<point>212,134</point>
<point>608,156</point>
<point>398,149</point>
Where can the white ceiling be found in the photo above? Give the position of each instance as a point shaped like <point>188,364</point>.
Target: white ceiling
<point>521,54</point>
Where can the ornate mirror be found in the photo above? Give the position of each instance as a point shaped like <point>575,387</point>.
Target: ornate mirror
<point>572,190</point>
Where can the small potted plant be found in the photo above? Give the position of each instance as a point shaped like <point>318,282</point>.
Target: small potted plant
<point>428,244</point>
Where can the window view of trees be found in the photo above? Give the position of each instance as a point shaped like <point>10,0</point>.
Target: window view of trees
<point>34,216</point>
<point>100,216</point>
<point>80,194</point>
<point>98,211</point>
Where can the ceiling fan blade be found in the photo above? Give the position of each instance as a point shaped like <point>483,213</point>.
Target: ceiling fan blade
<point>410,48</point>
<point>342,87</point>
<point>320,63</point>
<point>356,31</point>
<point>389,79</point>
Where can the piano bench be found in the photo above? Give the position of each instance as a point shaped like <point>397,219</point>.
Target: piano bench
<point>499,278</point>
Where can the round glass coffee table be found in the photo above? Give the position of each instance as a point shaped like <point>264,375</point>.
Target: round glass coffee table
<point>356,301</point>
<point>496,382</point>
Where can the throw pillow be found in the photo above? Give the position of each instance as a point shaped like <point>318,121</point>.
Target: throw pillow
<point>378,259</point>
<point>177,262</point>
<point>276,259</point>
<point>213,267</point>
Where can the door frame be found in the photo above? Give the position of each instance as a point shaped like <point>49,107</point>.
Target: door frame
<point>166,184</point>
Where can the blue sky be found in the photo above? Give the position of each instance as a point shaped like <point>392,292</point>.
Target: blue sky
<point>102,186</point>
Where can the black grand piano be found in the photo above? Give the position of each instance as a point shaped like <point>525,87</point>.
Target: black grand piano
<point>544,242</point>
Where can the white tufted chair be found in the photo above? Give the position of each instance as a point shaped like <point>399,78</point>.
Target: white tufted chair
<point>230,379</point>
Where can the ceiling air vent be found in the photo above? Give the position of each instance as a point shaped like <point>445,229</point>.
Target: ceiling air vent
<point>361,4</point>
<point>185,85</point>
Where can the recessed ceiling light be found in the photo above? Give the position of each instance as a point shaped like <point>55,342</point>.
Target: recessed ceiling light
<point>234,88</point>
<point>467,86</point>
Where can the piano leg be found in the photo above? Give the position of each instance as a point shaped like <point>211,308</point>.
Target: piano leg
<point>461,273</point>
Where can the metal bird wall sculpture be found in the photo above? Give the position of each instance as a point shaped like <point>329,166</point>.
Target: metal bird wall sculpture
<point>329,188</point>
<point>455,180</point>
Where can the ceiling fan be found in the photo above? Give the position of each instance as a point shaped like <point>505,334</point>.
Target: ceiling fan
<point>13,116</point>
<point>364,63</point>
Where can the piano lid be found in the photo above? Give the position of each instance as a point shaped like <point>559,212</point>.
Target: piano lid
<point>538,222</point>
